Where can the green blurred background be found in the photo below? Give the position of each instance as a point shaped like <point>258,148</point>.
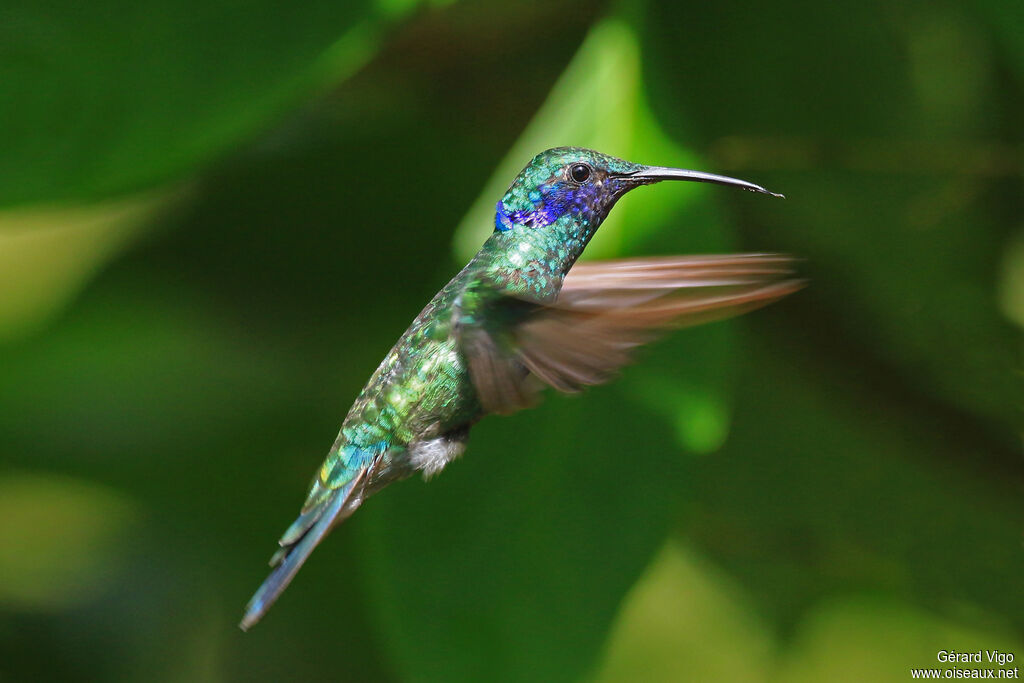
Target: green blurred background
<point>218,216</point>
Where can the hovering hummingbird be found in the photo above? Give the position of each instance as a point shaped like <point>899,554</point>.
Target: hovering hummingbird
<point>517,318</point>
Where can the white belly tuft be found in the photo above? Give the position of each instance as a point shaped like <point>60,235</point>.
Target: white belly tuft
<point>431,456</point>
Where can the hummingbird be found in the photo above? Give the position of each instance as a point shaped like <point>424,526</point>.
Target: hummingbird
<point>521,316</point>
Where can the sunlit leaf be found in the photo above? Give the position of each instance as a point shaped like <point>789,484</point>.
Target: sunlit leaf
<point>684,620</point>
<point>867,638</point>
<point>48,255</point>
<point>597,103</point>
<point>60,541</point>
<point>1011,286</point>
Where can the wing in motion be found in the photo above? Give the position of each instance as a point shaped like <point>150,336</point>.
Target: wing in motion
<point>603,312</point>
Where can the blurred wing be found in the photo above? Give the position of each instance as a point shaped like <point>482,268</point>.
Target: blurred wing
<point>502,382</point>
<point>604,311</point>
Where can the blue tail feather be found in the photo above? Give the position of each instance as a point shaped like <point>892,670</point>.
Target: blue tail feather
<point>291,559</point>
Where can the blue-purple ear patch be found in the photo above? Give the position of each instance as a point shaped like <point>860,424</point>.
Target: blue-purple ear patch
<point>501,220</point>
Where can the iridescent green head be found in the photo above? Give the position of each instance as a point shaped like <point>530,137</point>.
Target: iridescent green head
<point>582,185</point>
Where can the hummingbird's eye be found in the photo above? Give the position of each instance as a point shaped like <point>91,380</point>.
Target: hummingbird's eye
<point>580,173</point>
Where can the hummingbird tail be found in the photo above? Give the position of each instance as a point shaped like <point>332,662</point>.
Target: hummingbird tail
<point>336,506</point>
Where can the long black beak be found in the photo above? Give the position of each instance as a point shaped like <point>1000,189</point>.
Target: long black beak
<point>654,174</point>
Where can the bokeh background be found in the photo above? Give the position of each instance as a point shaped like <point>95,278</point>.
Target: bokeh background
<point>218,216</point>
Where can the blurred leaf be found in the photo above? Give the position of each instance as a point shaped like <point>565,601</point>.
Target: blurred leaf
<point>401,7</point>
<point>114,96</point>
<point>950,71</point>
<point>827,484</point>
<point>891,198</point>
<point>593,104</point>
<point>60,540</point>
<point>525,546</point>
<point>875,639</point>
<point>1011,286</point>
<point>1004,19</point>
<point>156,389</point>
<point>48,254</point>
<point>684,620</point>
<point>734,69</point>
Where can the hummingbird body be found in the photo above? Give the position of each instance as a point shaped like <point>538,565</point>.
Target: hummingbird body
<point>517,318</point>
